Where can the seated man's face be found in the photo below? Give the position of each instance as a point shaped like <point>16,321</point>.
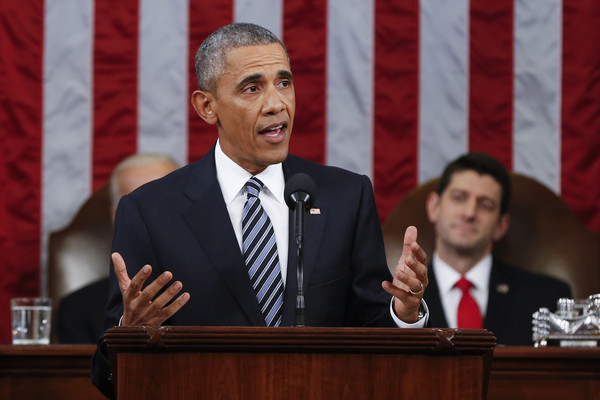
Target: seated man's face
<point>467,215</point>
<point>254,105</point>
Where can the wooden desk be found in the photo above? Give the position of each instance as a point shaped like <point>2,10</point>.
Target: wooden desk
<point>545,373</point>
<point>60,372</point>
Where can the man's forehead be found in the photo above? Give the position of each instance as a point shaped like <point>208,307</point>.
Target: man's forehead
<point>251,62</point>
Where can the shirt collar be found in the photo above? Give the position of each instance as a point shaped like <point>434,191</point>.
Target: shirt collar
<point>232,177</point>
<point>447,276</point>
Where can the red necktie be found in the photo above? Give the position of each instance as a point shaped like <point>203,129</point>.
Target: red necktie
<point>469,315</point>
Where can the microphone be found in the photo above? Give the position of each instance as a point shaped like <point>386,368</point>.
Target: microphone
<point>299,194</point>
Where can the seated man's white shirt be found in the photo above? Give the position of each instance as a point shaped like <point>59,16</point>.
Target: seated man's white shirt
<point>450,296</point>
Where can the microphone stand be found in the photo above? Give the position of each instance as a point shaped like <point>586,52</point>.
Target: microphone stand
<point>299,238</point>
<point>299,194</point>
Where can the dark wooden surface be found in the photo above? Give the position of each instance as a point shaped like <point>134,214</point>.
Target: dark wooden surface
<point>545,373</point>
<point>50,372</point>
<point>300,363</point>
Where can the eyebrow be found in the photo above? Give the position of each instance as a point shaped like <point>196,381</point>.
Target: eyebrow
<point>482,197</point>
<point>285,74</point>
<point>256,77</point>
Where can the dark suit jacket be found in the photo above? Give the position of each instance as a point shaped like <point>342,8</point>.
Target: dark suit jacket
<point>514,295</point>
<point>181,223</point>
<point>80,314</point>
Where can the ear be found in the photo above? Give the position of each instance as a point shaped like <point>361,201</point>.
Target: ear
<point>203,103</point>
<point>113,212</point>
<point>433,206</point>
<point>502,227</point>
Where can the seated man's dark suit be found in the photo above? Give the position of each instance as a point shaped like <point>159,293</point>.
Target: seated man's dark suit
<point>181,223</point>
<point>81,313</point>
<point>514,295</point>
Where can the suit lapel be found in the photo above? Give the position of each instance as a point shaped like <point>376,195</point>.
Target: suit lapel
<point>432,298</point>
<point>498,301</point>
<point>209,221</point>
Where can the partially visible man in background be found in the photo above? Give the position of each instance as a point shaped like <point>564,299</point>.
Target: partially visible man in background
<point>469,288</point>
<point>81,313</point>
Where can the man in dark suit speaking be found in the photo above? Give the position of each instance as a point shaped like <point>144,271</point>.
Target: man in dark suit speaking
<point>468,287</point>
<point>221,225</point>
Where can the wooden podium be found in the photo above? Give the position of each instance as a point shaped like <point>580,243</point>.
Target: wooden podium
<point>299,363</point>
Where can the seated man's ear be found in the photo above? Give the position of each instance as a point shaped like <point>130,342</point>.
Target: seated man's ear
<point>203,103</point>
<point>433,206</point>
<point>502,226</point>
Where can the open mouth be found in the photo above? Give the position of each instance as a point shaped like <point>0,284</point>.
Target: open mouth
<point>273,131</point>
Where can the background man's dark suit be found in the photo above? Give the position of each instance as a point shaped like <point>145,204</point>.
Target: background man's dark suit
<point>514,295</point>
<point>181,223</point>
<point>80,314</point>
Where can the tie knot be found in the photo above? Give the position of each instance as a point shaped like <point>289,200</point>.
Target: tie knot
<point>253,186</point>
<point>464,284</point>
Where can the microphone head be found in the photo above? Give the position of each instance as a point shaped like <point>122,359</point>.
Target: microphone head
<point>300,187</point>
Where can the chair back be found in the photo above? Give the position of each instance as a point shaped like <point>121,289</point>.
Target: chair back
<point>79,254</point>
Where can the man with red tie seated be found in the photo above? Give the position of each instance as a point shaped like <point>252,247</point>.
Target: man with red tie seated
<point>468,287</point>
<point>186,247</point>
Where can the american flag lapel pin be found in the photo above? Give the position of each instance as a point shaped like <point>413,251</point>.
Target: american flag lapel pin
<point>502,288</point>
<point>315,211</point>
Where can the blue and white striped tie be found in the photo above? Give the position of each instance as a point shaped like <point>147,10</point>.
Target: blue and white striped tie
<point>260,254</point>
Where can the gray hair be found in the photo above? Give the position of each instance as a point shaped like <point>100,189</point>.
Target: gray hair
<point>210,58</point>
<point>135,160</point>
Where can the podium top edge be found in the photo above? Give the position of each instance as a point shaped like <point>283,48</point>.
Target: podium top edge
<point>320,339</point>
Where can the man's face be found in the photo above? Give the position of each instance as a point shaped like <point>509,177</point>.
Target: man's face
<point>253,106</point>
<point>467,215</point>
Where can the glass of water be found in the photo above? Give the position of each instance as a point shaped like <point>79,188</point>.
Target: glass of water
<point>31,320</point>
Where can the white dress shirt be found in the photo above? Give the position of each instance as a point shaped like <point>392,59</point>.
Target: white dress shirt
<point>450,295</point>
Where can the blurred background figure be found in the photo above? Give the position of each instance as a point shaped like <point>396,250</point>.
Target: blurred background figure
<point>80,314</point>
<point>468,287</point>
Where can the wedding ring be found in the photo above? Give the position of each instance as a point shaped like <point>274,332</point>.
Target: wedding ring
<point>418,292</point>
